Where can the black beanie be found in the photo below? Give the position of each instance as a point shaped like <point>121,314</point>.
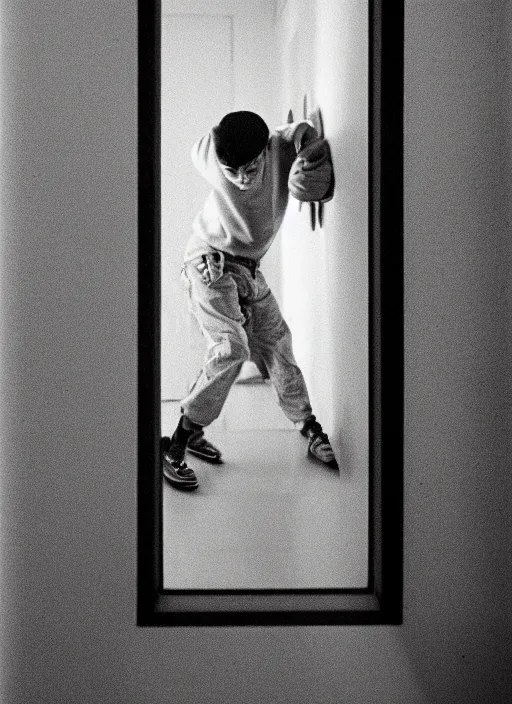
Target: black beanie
<point>239,138</point>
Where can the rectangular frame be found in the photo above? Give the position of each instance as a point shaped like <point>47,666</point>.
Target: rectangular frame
<point>381,602</point>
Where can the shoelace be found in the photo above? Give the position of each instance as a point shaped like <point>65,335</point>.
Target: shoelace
<point>183,469</point>
<point>319,444</point>
<point>319,439</point>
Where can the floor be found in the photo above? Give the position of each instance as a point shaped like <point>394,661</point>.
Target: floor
<point>269,517</point>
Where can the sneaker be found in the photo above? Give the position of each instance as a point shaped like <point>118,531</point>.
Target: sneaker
<point>177,472</point>
<point>319,445</point>
<point>198,445</point>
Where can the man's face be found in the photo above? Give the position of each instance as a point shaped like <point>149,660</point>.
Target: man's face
<point>245,176</point>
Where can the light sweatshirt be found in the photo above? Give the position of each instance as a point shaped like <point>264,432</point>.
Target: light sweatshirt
<point>244,223</point>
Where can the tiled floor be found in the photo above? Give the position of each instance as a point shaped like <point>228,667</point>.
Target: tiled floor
<point>269,517</point>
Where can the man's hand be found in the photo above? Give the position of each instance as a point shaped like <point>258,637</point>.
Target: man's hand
<point>211,267</point>
<point>311,173</point>
<point>304,134</point>
<point>315,153</point>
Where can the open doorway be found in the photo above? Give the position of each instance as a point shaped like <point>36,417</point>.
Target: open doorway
<point>267,519</point>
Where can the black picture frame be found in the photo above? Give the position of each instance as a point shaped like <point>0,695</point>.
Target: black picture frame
<point>381,602</point>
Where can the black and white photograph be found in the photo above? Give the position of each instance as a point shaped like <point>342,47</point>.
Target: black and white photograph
<point>255,351</point>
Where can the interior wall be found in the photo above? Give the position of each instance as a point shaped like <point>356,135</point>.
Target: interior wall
<point>69,392</point>
<point>302,251</point>
<point>254,62</point>
<point>323,53</point>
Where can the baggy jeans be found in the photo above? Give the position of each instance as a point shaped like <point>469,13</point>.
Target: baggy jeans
<point>240,319</point>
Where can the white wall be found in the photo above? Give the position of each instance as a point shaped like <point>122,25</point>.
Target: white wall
<point>68,458</point>
<point>324,54</point>
<point>254,60</point>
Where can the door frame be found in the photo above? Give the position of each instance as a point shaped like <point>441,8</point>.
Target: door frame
<point>381,602</point>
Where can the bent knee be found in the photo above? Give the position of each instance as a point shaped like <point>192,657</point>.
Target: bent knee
<point>229,350</point>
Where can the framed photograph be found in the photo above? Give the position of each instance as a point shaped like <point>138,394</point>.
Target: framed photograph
<point>270,324</point>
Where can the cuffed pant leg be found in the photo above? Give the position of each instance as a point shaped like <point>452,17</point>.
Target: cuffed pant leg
<point>219,315</point>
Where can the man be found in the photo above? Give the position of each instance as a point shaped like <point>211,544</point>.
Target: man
<point>250,171</point>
